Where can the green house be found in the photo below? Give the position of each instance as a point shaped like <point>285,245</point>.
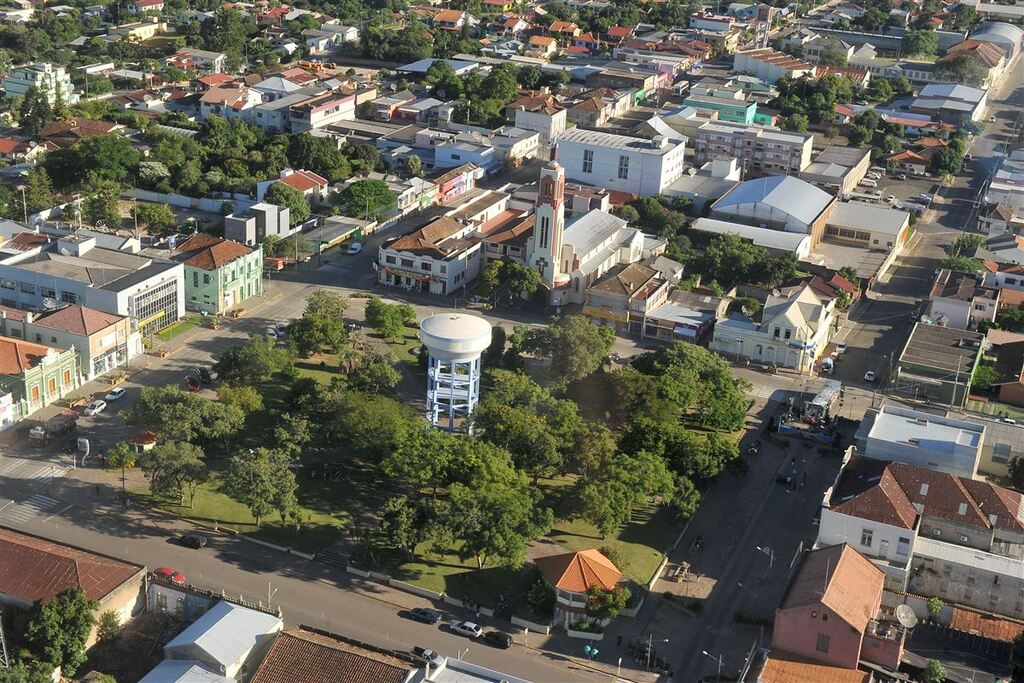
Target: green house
<point>219,274</point>
<point>736,111</point>
<point>34,376</point>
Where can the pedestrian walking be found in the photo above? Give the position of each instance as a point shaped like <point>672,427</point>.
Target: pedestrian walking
<point>618,640</point>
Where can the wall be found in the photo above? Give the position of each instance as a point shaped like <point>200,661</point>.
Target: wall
<point>647,174</point>
<point>797,631</point>
<point>207,204</point>
<point>126,600</point>
<point>835,528</point>
<point>989,582</point>
<point>961,462</point>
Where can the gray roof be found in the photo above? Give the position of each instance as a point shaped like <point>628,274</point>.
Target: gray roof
<point>943,349</point>
<point>779,240</point>
<point>227,632</point>
<point>952,91</point>
<point>184,671</point>
<point>591,229</point>
<point>937,433</point>
<point>1000,31</point>
<point>798,198</point>
<point>868,217</point>
<point>599,138</point>
<point>101,268</point>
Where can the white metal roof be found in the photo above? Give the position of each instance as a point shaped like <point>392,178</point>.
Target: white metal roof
<point>591,229</point>
<point>762,237</point>
<point>599,138</point>
<point>859,215</point>
<point>182,671</point>
<point>226,632</point>
<point>796,197</point>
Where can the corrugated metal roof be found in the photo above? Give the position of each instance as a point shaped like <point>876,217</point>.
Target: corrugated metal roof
<point>859,215</point>
<point>762,237</point>
<point>185,671</point>
<point>590,230</point>
<point>226,632</point>
<point>791,195</point>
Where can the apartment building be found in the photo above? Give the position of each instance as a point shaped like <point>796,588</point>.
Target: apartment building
<point>49,79</point>
<point>321,111</point>
<point>770,65</point>
<point>759,150</point>
<point>639,166</point>
<point>931,533</point>
<point>960,300</point>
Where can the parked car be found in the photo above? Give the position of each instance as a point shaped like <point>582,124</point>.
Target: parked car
<point>874,176</point>
<point>901,176</point>
<point>270,332</point>
<point>353,327</point>
<point>869,376</point>
<point>841,348</point>
<point>925,197</point>
<point>192,384</point>
<point>115,394</point>
<point>426,654</point>
<point>95,408</point>
<point>168,574</point>
<point>193,540</point>
<point>204,375</point>
<point>354,248</point>
<point>498,639</point>
<point>282,329</point>
<point>890,199</point>
<point>424,615</point>
<point>467,628</point>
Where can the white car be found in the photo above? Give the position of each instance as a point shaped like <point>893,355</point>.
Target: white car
<point>271,331</point>
<point>889,199</point>
<point>467,628</point>
<point>841,348</point>
<point>869,376</point>
<point>95,408</point>
<point>874,176</point>
<point>115,394</point>
<point>355,248</point>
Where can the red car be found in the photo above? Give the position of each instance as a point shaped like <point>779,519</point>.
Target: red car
<point>168,574</point>
<point>192,384</point>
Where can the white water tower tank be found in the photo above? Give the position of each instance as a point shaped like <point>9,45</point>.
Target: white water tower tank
<point>454,344</point>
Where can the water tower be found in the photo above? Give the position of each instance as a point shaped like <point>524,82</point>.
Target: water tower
<point>454,343</point>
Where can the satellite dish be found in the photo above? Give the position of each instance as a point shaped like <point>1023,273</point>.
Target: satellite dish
<point>905,615</point>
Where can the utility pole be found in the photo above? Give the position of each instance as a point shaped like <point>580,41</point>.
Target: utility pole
<point>956,384</point>
<point>5,662</point>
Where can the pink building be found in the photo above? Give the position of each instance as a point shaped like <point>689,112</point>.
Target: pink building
<point>830,607</point>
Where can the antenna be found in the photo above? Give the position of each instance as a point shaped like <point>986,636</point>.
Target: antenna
<point>5,663</point>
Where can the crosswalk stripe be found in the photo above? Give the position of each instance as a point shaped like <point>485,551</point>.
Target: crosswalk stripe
<point>22,512</point>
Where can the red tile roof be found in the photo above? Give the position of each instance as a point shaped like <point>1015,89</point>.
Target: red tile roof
<point>18,355</point>
<point>304,655</point>
<point>215,79</point>
<point>449,16</point>
<point>33,568</point>
<point>578,572</point>
<point>26,240</point>
<point>779,668</point>
<point>852,585</point>
<point>78,128</point>
<point>303,181</point>
<point>989,626</point>
<point>78,320</point>
<point>11,145</point>
<point>209,253</point>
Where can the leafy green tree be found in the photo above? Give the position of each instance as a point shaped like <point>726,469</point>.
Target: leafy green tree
<point>109,157</point>
<point>833,55</point>
<point>685,497</point>
<point>879,90</point>
<point>934,672</point>
<point>101,204</point>
<point>367,425</point>
<point>442,78</point>
<point>593,450</point>
<point>430,458</point>
<point>32,672</point>
<point>389,319</point>
<point>375,374</point>
<point>109,627</point>
<point>575,346</point>
<point>157,217</point>
<point>58,629</point>
<point>264,481</point>
<point>607,501</point>
<point>496,519</point>
<point>961,68</point>
<point>314,332</point>
<point>39,192</point>
<point>605,604</point>
<point>526,435</point>
<point>1016,475</point>
<point>252,362</point>
<point>121,455</point>
<point>509,279</point>
<point>920,42</point>
<point>248,399</point>
<point>34,112</point>
<point>413,166</point>
<point>961,17</point>
<point>961,264</point>
<point>859,136</point>
<point>169,412</point>
<point>404,523</point>
<point>367,199</point>
<point>287,196</point>
<point>174,468</point>
<point>795,122</point>
<point>946,162</point>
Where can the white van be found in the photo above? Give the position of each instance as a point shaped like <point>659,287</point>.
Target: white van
<point>868,182</point>
<point>880,170</point>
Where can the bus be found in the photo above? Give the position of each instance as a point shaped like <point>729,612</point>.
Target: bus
<point>820,407</point>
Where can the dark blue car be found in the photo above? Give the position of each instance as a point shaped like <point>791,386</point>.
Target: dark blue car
<point>424,615</point>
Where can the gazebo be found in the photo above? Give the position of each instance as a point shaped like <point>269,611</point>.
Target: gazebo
<point>572,575</point>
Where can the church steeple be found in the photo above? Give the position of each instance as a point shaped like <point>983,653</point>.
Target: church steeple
<point>546,248</point>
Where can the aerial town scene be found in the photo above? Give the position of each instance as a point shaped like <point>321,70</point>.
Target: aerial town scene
<point>512,341</point>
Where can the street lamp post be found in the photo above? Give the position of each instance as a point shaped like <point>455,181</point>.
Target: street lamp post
<point>650,647</point>
<point>718,659</point>
<point>769,552</point>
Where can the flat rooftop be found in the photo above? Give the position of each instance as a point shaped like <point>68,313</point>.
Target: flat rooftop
<point>933,432</point>
<point>943,348</point>
<point>99,268</point>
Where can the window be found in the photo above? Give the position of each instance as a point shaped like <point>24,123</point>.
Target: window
<point>457,157</point>
<point>789,333</point>
<point>623,167</point>
<point>824,617</point>
<point>49,293</point>
<point>425,266</point>
<point>67,377</point>
<point>389,259</point>
<point>936,532</point>
<point>35,393</point>
<point>206,278</point>
<point>866,536</point>
<point>69,297</point>
<point>883,547</point>
<point>1001,453</point>
<point>195,279</point>
<point>1011,280</point>
<point>26,288</point>
<point>7,284</point>
<point>777,332</point>
<point>822,645</point>
<point>979,307</point>
<point>51,386</point>
<point>588,161</point>
<point>406,263</point>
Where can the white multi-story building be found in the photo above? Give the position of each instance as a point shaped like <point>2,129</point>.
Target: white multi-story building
<point>794,330</point>
<point>53,81</point>
<point>150,291</point>
<point>759,150</point>
<point>770,65</point>
<point>931,533</point>
<point>617,162</point>
<point>543,115</point>
<point>961,300</point>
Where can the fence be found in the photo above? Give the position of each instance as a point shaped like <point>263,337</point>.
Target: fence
<point>238,202</point>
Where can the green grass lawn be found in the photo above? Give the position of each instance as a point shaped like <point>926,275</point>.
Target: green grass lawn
<point>327,507</point>
<point>180,327</point>
<point>402,349</point>
<point>446,573</point>
<point>310,367</point>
